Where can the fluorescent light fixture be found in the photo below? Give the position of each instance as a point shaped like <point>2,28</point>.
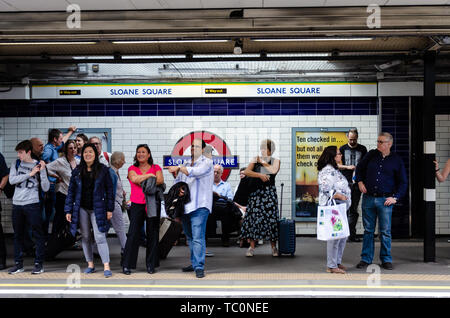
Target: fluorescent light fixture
<point>47,43</point>
<point>297,54</point>
<point>313,39</point>
<point>245,55</point>
<point>169,41</point>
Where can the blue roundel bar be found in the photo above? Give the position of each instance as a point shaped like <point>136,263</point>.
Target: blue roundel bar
<point>228,162</point>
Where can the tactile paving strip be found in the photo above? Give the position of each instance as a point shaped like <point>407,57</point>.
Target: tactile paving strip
<point>230,276</point>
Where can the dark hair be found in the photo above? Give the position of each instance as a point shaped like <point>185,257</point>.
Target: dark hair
<point>53,133</point>
<point>96,167</point>
<point>150,159</point>
<point>353,131</point>
<point>66,146</point>
<point>25,145</point>
<point>203,142</point>
<point>327,158</point>
<point>84,137</point>
<point>269,144</point>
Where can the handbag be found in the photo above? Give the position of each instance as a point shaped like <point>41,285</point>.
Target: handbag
<point>332,223</point>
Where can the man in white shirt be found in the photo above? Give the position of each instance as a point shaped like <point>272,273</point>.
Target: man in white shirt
<point>103,157</point>
<point>199,175</point>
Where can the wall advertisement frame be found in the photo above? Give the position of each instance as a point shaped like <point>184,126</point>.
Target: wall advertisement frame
<point>307,146</point>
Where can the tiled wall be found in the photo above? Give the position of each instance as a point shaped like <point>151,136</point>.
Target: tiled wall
<point>442,155</point>
<point>190,107</point>
<point>242,131</point>
<point>395,120</point>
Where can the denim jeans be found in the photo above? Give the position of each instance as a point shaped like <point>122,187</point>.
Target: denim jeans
<point>21,214</point>
<point>194,226</point>
<point>373,207</point>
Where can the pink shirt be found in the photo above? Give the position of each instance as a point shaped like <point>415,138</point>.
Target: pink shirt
<point>137,195</point>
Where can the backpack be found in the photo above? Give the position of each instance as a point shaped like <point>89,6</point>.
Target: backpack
<point>105,154</point>
<point>9,188</point>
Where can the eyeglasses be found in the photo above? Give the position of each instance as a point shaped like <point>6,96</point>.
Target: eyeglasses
<point>382,141</point>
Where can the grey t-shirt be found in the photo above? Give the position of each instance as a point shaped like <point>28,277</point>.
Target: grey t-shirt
<point>27,188</point>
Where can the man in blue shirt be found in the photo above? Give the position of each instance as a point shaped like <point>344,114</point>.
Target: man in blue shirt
<point>381,177</point>
<point>199,175</point>
<point>55,144</point>
<point>222,197</point>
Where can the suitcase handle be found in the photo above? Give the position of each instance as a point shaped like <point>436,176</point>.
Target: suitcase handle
<point>281,201</point>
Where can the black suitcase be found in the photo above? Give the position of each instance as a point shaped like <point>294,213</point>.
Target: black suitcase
<point>57,242</point>
<point>169,232</point>
<point>286,232</point>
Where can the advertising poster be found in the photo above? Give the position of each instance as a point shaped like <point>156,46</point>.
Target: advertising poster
<point>308,145</point>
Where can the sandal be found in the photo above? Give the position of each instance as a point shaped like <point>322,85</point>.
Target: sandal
<point>250,252</point>
<point>274,252</point>
<point>342,267</point>
<point>335,270</point>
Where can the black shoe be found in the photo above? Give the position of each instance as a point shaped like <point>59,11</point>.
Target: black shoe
<point>354,239</point>
<point>362,265</point>
<point>126,271</point>
<point>188,269</point>
<point>387,265</point>
<point>151,270</point>
<point>38,269</point>
<point>199,273</point>
<point>18,268</point>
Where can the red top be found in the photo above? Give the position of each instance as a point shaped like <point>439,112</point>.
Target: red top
<point>137,195</point>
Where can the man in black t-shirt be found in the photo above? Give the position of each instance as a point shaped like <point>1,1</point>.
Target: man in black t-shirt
<point>352,153</point>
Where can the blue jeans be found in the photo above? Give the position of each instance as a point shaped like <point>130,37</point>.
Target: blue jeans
<point>194,226</point>
<point>373,207</point>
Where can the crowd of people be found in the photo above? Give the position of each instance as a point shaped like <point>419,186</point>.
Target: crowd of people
<point>79,185</point>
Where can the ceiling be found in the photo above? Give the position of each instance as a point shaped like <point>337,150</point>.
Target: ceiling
<point>101,5</point>
<point>36,38</point>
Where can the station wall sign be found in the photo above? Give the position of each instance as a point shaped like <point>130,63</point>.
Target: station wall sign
<point>207,90</point>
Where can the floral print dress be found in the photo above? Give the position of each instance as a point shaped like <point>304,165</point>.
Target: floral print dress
<point>261,219</point>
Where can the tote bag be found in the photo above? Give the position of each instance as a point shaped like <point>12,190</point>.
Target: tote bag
<point>332,221</point>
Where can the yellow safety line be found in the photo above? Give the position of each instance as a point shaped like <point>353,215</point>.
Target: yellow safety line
<point>229,286</point>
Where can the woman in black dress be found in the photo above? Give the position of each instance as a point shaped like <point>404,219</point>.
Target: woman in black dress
<point>261,219</point>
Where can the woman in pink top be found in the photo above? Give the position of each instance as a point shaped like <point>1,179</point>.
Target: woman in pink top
<point>142,169</point>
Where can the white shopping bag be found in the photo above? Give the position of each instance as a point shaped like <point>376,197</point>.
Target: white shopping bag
<point>332,221</point>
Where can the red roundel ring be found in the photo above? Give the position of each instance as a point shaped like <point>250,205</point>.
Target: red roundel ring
<point>210,139</point>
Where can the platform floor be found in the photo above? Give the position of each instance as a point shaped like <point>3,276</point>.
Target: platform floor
<point>231,274</point>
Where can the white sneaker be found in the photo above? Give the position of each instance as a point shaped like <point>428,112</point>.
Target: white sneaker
<point>260,242</point>
<point>250,252</point>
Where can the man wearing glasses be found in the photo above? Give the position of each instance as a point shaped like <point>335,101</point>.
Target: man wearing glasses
<point>103,156</point>
<point>381,177</point>
<point>352,153</point>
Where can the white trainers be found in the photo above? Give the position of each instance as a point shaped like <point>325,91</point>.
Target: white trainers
<point>250,252</point>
